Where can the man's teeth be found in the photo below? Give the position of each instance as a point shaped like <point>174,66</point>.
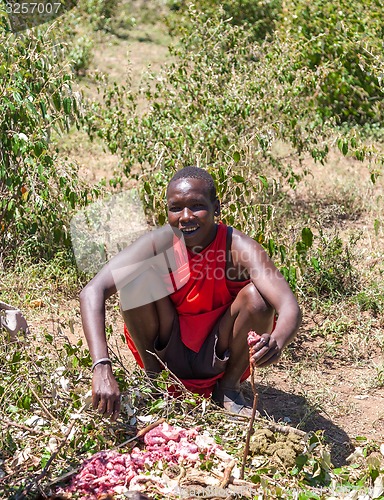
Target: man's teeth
<point>189,229</point>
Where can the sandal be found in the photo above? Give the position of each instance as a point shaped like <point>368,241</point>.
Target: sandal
<point>232,401</point>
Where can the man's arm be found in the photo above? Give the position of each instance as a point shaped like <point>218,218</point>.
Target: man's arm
<point>273,287</point>
<point>105,391</point>
<point>121,270</point>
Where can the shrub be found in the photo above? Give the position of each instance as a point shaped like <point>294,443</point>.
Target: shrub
<point>37,192</point>
<point>222,94</point>
<point>257,17</point>
<point>99,12</point>
<point>329,268</point>
<point>81,54</point>
<point>340,41</point>
<point>222,102</point>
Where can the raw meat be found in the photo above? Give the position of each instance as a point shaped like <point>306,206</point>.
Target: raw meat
<point>253,338</point>
<point>110,472</point>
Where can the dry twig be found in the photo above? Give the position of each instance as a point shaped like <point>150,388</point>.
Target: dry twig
<point>227,474</point>
<point>48,413</point>
<point>32,430</point>
<point>175,378</point>
<point>35,481</point>
<point>252,420</point>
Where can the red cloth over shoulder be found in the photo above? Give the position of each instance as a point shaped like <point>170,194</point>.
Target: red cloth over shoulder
<point>205,297</point>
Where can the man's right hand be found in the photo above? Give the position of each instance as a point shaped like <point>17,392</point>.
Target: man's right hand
<point>105,391</point>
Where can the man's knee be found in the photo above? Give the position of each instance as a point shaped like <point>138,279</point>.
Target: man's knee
<point>253,304</point>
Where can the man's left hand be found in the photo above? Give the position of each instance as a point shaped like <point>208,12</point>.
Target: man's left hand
<point>265,352</point>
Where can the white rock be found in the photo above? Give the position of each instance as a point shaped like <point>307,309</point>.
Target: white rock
<point>35,421</point>
<point>378,487</point>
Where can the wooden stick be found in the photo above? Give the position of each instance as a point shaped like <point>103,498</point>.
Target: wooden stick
<point>44,472</point>
<point>252,420</point>
<point>32,430</point>
<point>48,413</point>
<point>182,386</point>
<point>227,474</point>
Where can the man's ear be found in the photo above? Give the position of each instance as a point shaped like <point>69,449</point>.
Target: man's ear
<point>217,207</point>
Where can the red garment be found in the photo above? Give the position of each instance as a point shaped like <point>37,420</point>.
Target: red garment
<point>202,301</point>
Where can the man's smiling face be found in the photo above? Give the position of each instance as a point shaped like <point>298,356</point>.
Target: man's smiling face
<point>191,210</point>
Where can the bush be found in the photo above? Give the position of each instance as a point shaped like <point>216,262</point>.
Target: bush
<point>100,12</point>
<point>222,103</point>
<point>37,192</point>
<point>257,17</point>
<point>339,41</point>
<point>329,269</point>
<point>81,54</point>
<point>222,94</point>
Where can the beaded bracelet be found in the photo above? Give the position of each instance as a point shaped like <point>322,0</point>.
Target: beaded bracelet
<point>101,360</point>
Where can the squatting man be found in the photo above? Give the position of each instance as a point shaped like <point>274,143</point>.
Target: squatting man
<point>190,292</point>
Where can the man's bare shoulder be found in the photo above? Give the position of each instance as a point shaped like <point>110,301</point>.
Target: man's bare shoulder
<point>160,238</point>
<point>243,241</point>
<point>247,252</point>
<point>148,245</point>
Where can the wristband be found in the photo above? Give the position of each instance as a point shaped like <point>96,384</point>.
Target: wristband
<point>101,360</point>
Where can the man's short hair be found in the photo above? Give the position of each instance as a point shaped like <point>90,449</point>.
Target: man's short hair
<point>197,173</point>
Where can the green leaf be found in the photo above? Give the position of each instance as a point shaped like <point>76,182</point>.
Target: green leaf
<point>264,181</point>
<point>292,276</point>
<point>374,176</point>
<point>158,405</point>
<point>25,401</point>
<point>360,155</point>
<point>161,219</point>
<point>343,146</point>
<point>271,247</point>
<point>44,459</point>
<point>307,236</point>
<point>31,108</point>
<point>361,438</point>
<point>301,248</point>
<point>72,199</point>
<point>56,101</point>
<point>315,264</point>
<point>236,156</point>
<point>301,460</point>
<point>308,495</point>
<point>222,173</point>
<point>238,178</point>
<point>38,148</point>
<point>15,145</point>
<point>67,105</point>
<point>376,226</point>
